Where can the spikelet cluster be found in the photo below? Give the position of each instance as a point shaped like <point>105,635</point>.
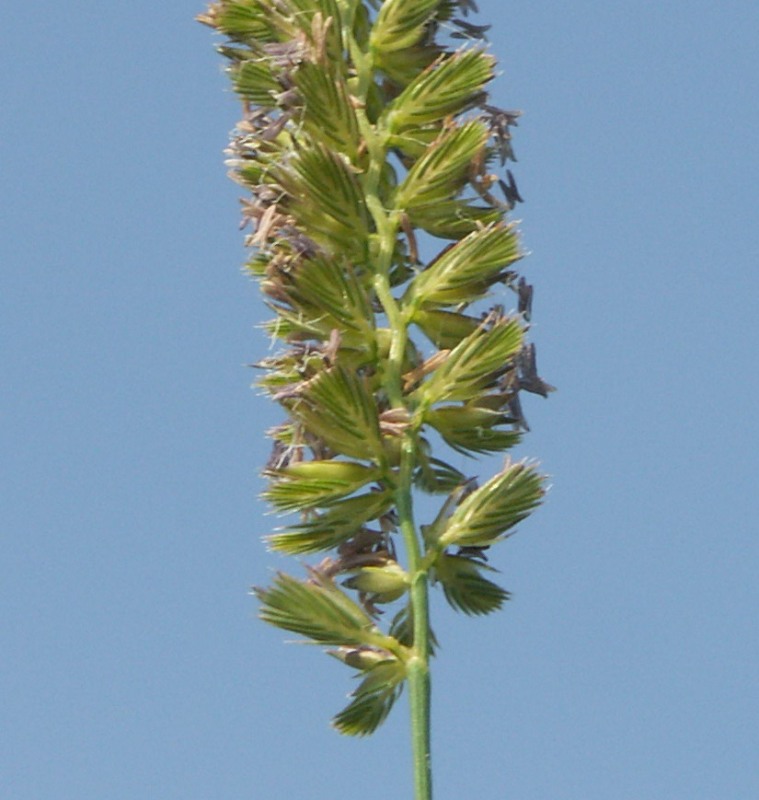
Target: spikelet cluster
<point>378,200</point>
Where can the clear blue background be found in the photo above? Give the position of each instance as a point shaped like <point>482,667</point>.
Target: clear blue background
<point>132,665</point>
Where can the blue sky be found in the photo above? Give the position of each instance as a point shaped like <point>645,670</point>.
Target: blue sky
<point>132,663</point>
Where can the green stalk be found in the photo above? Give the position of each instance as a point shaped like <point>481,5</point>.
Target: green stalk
<point>387,225</point>
<point>418,664</point>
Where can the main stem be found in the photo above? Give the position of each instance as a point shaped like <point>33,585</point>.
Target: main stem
<point>387,225</point>
<point>418,664</point>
